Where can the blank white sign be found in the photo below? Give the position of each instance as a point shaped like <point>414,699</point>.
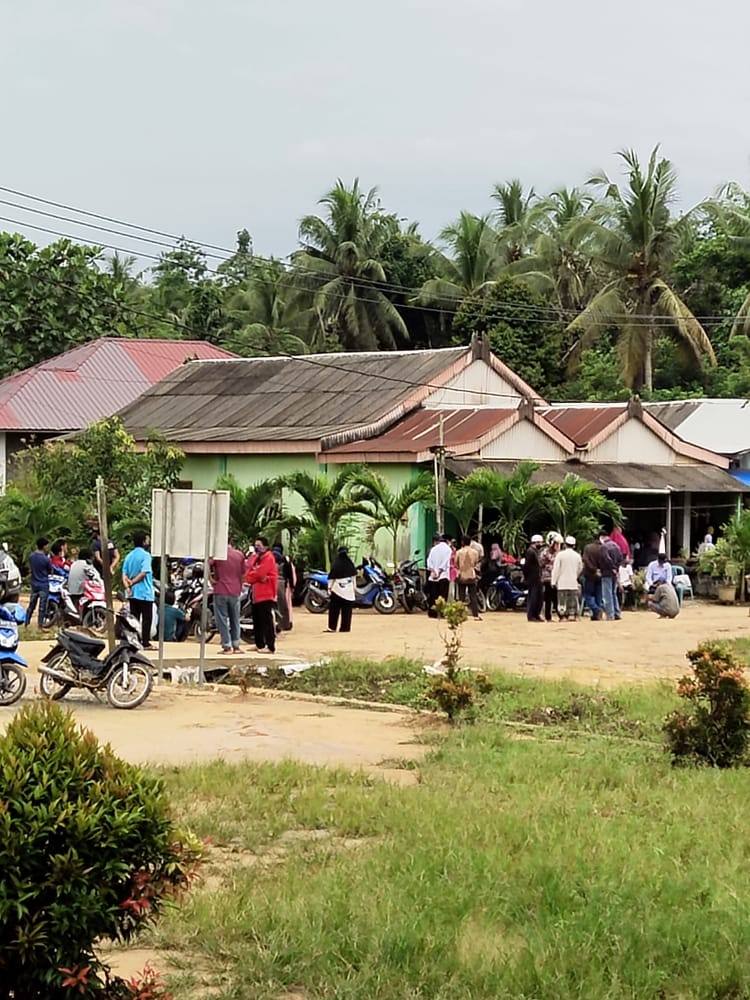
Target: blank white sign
<point>187,516</point>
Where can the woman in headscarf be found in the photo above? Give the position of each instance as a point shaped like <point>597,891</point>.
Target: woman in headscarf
<point>341,583</point>
<point>287,580</point>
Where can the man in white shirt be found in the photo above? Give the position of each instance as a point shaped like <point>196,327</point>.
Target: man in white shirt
<point>438,573</point>
<point>659,571</point>
<point>566,569</point>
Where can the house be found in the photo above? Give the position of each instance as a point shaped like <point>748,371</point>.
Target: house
<point>88,383</point>
<point>722,425</point>
<point>263,417</point>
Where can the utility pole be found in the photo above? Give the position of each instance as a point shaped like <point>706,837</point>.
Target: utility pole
<point>101,505</point>
<point>440,478</point>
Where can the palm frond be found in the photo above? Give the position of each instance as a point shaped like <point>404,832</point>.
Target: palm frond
<point>684,325</point>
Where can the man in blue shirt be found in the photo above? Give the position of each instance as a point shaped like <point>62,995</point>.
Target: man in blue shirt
<point>41,567</point>
<point>138,579</point>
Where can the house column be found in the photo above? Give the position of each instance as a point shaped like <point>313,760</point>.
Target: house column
<point>686,518</point>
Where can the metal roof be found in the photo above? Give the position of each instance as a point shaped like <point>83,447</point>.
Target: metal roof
<point>91,382</point>
<point>582,423</point>
<point>421,430</point>
<point>625,476</point>
<point>308,397</point>
<point>721,425</point>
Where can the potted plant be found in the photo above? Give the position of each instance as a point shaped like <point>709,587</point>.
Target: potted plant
<point>721,565</point>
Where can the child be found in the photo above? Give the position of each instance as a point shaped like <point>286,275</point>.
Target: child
<point>626,583</point>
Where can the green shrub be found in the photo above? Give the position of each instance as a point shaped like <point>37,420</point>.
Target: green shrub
<point>455,691</point>
<point>87,851</point>
<point>715,730</point>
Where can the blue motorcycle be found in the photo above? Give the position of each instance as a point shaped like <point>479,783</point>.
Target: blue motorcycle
<point>12,676</point>
<point>504,595</point>
<point>376,591</point>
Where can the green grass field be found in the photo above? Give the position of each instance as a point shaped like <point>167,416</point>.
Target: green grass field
<point>560,857</point>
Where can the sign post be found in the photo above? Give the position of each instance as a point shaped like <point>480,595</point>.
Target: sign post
<point>163,566</point>
<point>101,505</point>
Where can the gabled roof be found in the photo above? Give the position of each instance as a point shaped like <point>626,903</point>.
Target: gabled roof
<point>91,382</point>
<point>295,402</point>
<point>722,425</point>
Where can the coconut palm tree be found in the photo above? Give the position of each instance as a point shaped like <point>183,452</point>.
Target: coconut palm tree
<point>472,263</point>
<point>338,276</point>
<point>253,510</point>
<point>328,504</point>
<point>390,508</point>
<point>731,211</point>
<point>584,509</point>
<point>518,214</point>
<point>464,497</point>
<point>259,321</point>
<point>637,245</point>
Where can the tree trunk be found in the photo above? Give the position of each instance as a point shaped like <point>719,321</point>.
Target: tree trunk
<point>648,364</point>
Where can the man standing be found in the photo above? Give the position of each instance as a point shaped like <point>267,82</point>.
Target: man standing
<point>96,548</point>
<point>664,601</point>
<point>41,567</point>
<point>532,574</point>
<point>138,579</point>
<point>592,579</point>
<point>467,560</point>
<point>227,576</point>
<point>566,571</point>
<point>263,575</point>
<point>438,573</point>
<point>658,571</point>
<point>611,560</point>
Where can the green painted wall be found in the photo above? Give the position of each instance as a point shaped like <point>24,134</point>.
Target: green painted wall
<point>202,471</point>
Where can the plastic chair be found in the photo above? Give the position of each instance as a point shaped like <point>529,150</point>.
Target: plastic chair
<point>682,583</point>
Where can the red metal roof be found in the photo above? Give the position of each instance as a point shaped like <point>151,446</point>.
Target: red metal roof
<point>420,431</point>
<point>582,423</point>
<point>93,381</point>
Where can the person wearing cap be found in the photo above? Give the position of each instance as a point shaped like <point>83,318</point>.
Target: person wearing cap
<point>546,560</point>
<point>532,574</point>
<point>566,571</point>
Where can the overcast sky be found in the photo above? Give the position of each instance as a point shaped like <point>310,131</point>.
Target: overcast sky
<point>203,116</point>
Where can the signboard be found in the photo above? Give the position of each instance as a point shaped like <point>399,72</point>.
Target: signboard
<point>187,527</point>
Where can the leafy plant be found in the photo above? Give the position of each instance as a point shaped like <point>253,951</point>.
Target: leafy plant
<point>454,691</point>
<point>390,508</point>
<point>719,562</point>
<point>518,501</point>
<point>584,509</point>
<point>253,510</point>
<point>715,730</point>
<point>25,518</point>
<point>87,849</point>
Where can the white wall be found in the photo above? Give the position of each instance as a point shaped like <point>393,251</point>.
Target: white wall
<point>633,442</point>
<point>472,387</point>
<point>524,441</point>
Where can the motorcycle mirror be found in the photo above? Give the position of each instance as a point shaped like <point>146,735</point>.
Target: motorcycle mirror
<point>5,546</point>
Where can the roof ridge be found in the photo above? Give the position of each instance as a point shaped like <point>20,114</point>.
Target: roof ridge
<point>344,354</point>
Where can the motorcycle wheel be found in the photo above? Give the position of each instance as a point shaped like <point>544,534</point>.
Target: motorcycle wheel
<point>481,602</point>
<point>49,688</point>
<point>493,599</point>
<point>385,603</point>
<point>315,603</point>
<point>12,683</point>
<point>134,691</point>
<point>53,616</point>
<point>408,603</point>
<point>96,620</point>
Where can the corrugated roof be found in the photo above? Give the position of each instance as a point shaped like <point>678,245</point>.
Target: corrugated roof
<point>90,382</point>
<point>582,423</point>
<point>625,476</point>
<point>420,431</point>
<point>285,399</point>
<point>721,425</point>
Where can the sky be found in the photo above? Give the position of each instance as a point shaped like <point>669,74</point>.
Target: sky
<point>201,117</point>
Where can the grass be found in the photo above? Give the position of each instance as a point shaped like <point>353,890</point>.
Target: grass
<point>549,867</point>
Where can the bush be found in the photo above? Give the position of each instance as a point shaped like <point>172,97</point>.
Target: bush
<point>455,690</point>
<point>715,730</point>
<point>87,851</point>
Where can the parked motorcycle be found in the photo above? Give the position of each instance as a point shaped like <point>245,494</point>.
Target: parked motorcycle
<point>504,594</point>
<point>409,587</point>
<point>12,674</point>
<point>73,662</point>
<point>91,612</point>
<point>376,592</point>
<point>10,577</point>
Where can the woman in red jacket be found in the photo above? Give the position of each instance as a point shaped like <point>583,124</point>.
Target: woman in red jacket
<point>263,575</point>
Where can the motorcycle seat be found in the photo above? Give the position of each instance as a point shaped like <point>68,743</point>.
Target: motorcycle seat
<point>91,643</point>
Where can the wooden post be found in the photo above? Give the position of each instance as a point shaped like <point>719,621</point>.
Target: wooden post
<point>206,575</point>
<point>163,562</point>
<point>101,505</point>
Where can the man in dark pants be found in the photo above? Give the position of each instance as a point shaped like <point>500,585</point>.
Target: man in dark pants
<point>263,576</point>
<point>532,574</point>
<point>138,580</point>
<point>592,579</point>
<point>40,566</point>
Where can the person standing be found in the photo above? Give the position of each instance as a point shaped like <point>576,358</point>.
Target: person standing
<point>341,588</point>
<point>287,581</point>
<point>620,541</point>
<point>263,575</point>
<point>96,548</point>
<point>532,574</point>
<point>566,571</point>
<point>40,568</point>
<point>227,576</point>
<point>438,573</point>
<point>138,579</point>
<point>546,561</point>
<point>611,561</point>
<point>592,579</point>
<point>467,560</point>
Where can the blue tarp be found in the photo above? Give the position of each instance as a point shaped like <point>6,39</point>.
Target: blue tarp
<point>743,475</point>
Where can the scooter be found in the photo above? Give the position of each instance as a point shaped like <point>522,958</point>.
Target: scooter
<point>377,591</point>
<point>73,662</point>
<point>408,586</point>
<point>12,676</point>
<point>10,577</point>
<point>91,612</point>
<point>504,595</point>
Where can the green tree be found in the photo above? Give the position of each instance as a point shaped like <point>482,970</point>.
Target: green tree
<point>339,273</point>
<point>24,518</point>
<point>258,318</point>
<point>51,299</point>
<point>253,510</point>
<point>240,266</point>
<point>518,502</point>
<point>464,497</point>
<point>584,509</point>
<point>390,508</point>
<point>329,503</point>
<point>518,214</point>
<point>639,242</point>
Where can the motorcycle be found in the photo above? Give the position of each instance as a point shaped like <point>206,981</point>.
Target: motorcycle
<point>10,577</point>
<point>408,586</point>
<point>73,662</point>
<point>12,676</point>
<point>504,595</point>
<point>91,612</point>
<point>377,591</point>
